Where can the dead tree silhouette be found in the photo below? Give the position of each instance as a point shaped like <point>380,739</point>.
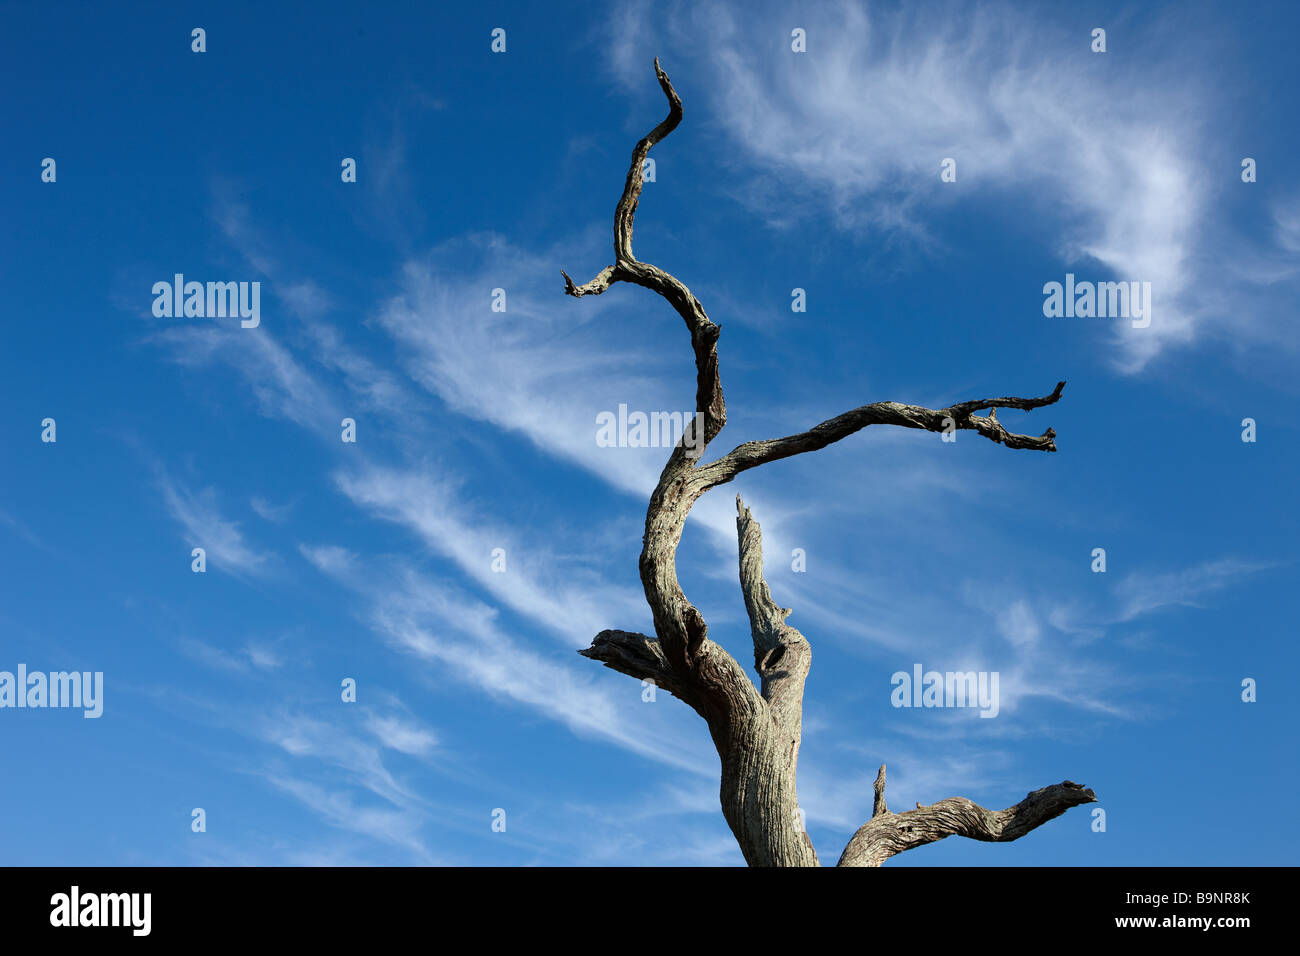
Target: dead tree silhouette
<point>757,731</point>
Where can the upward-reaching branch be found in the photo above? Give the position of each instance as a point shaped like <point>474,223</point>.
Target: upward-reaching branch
<point>625,212</point>
<point>627,268</point>
<point>757,735</point>
<point>680,627</point>
<point>782,656</point>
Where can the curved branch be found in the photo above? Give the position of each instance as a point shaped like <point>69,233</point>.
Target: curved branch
<point>604,279</point>
<point>625,212</point>
<point>627,268</point>
<point>887,834</point>
<point>704,341</point>
<point>681,630</point>
<point>959,416</point>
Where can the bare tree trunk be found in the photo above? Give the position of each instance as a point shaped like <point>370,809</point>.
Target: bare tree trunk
<point>757,730</point>
<point>759,800</point>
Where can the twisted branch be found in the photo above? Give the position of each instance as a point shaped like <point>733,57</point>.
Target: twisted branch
<point>757,734</point>
<point>627,268</point>
<point>887,834</point>
<point>960,416</point>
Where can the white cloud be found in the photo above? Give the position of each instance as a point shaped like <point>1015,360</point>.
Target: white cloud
<point>544,368</point>
<point>436,623</point>
<point>401,735</point>
<point>251,655</point>
<point>1286,222</point>
<point>536,581</point>
<point>1143,592</point>
<point>205,527</point>
<point>280,385</point>
<point>262,657</point>
<point>1019,625</point>
<point>395,826</point>
<point>334,560</point>
<point>267,511</point>
<point>1113,156</point>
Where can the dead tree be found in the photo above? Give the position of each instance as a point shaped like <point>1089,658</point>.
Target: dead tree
<point>757,730</point>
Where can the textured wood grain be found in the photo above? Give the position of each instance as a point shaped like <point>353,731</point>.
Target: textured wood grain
<point>886,834</point>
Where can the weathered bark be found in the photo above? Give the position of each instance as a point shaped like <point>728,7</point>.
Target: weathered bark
<point>757,730</point>
<point>888,833</point>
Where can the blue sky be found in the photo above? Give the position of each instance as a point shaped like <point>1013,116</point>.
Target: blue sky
<point>476,429</point>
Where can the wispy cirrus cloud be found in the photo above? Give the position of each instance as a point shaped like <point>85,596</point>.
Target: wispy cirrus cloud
<point>396,826</point>
<point>402,735</point>
<point>1117,159</point>
<point>534,580</point>
<point>297,366</point>
<point>1142,593</point>
<point>268,511</point>
<point>1050,644</point>
<point>544,367</point>
<point>273,376</point>
<point>438,624</point>
<point>199,515</point>
<point>547,366</point>
<point>250,656</point>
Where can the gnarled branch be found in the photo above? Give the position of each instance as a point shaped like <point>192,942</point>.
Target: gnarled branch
<point>635,655</point>
<point>757,734</point>
<point>887,834</point>
<point>604,279</point>
<point>643,657</point>
<point>959,416</point>
<point>627,268</point>
<point>625,212</point>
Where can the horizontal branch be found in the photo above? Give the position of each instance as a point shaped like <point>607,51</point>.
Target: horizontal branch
<point>887,834</point>
<point>604,279</point>
<point>633,654</point>
<point>1027,404</point>
<point>712,683</point>
<point>959,416</point>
